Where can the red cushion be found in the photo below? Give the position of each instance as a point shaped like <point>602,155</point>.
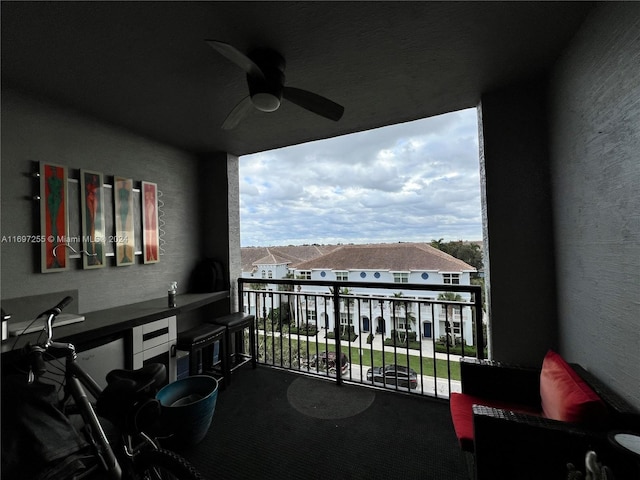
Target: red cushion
<point>461,406</point>
<point>565,396</point>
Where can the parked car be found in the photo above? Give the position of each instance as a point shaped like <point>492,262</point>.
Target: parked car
<point>393,375</point>
<point>327,361</point>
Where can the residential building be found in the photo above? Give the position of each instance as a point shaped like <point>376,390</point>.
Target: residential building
<point>371,311</point>
<point>275,262</point>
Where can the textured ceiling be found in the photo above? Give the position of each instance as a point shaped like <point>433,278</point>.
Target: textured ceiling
<point>145,66</point>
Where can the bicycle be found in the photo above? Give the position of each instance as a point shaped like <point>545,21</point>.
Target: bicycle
<point>115,439</point>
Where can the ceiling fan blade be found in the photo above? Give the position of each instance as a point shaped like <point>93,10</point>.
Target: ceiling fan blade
<point>237,57</point>
<point>314,103</point>
<point>238,113</point>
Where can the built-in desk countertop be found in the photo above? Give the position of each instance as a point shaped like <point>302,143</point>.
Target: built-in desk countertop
<point>114,321</point>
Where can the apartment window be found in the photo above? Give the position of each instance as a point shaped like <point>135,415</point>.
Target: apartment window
<point>304,274</point>
<point>311,316</point>
<point>403,324</point>
<point>264,274</point>
<point>270,274</point>
<point>342,276</point>
<point>451,278</point>
<point>346,318</point>
<point>453,314</point>
<point>401,277</point>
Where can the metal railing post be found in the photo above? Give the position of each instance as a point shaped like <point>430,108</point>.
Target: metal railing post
<point>336,329</point>
<point>274,340</point>
<point>477,315</point>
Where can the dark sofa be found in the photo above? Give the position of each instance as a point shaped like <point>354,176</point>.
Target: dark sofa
<point>522,423</point>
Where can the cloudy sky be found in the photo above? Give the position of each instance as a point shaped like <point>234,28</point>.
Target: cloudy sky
<point>416,181</point>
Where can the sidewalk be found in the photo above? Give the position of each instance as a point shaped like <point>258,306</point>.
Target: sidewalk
<point>378,344</point>
<point>426,383</point>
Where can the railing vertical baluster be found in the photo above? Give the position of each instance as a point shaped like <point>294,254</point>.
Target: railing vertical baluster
<point>447,329</point>
<point>336,327</point>
<point>370,334</point>
<point>433,344</point>
<point>291,321</point>
<point>315,307</point>
<point>477,318</point>
<point>462,341</point>
<point>350,356</point>
<point>326,330</point>
<point>403,305</point>
<point>419,339</point>
<point>279,307</point>
<point>280,315</point>
<point>384,328</point>
<point>273,331</point>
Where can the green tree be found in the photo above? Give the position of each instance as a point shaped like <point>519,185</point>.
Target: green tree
<point>450,297</point>
<point>466,251</point>
<point>280,316</point>
<point>286,288</point>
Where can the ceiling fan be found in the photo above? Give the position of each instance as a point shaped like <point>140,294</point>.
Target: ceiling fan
<point>265,78</point>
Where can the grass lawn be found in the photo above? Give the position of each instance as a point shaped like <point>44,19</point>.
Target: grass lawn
<point>292,347</point>
<point>374,357</point>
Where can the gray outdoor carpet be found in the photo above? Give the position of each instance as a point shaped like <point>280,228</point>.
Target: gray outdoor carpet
<point>272,424</point>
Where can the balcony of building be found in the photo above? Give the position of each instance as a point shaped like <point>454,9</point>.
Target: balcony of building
<point>409,342</point>
<point>275,424</point>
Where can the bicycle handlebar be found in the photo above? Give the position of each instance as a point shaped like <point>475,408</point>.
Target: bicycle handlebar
<point>34,352</point>
<point>59,307</point>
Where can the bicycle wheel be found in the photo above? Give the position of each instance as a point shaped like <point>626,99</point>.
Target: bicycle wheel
<point>163,465</point>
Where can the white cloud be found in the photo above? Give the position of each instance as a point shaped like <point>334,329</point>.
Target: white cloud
<point>415,181</point>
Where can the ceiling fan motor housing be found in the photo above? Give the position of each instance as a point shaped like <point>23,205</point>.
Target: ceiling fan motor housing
<point>266,93</point>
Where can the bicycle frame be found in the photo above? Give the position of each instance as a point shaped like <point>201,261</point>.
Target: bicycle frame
<point>75,378</point>
<point>135,454</point>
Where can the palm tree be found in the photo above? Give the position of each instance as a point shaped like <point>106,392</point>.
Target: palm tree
<point>404,306</point>
<point>289,299</point>
<point>450,297</point>
<point>348,303</point>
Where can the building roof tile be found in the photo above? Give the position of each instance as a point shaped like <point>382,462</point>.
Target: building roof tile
<point>386,256</point>
<point>291,255</point>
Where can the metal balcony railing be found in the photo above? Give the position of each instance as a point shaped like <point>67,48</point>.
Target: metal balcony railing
<point>400,336</point>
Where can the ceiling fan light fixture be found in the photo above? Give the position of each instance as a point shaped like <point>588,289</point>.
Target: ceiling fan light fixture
<point>265,102</point>
<point>264,69</point>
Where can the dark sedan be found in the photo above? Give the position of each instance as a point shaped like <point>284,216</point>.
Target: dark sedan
<point>393,375</point>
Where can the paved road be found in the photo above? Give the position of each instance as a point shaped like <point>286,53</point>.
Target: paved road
<point>426,384</point>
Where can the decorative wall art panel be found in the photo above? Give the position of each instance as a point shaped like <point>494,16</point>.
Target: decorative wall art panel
<point>54,223</point>
<point>93,219</point>
<point>150,232</point>
<point>123,212</point>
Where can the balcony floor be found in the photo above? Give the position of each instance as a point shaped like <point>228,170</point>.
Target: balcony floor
<point>276,424</point>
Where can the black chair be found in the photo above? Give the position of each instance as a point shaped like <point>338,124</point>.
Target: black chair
<point>235,324</point>
<point>199,342</point>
